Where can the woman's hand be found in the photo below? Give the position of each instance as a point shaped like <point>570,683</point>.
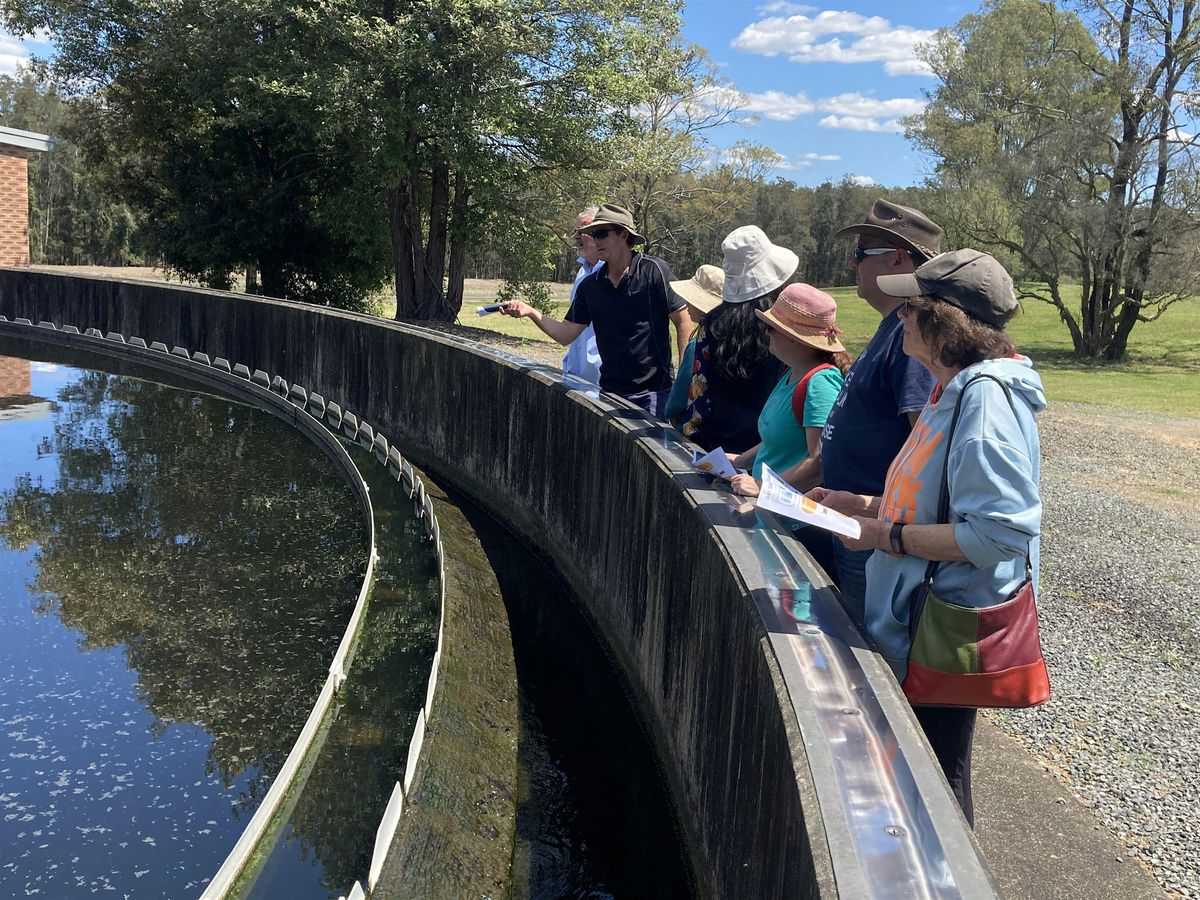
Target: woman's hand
<point>745,485</point>
<point>846,503</point>
<point>873,536</point>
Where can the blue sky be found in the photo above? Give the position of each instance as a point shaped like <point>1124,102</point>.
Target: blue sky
<point>826,84</point>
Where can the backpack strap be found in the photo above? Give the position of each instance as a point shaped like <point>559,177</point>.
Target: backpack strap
<point>801,391</point>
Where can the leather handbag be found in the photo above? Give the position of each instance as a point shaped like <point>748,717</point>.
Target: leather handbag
<point>988,656</point>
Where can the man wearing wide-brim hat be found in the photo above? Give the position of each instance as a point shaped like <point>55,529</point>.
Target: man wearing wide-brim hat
<point>629,302</point>
<point>885,390</point>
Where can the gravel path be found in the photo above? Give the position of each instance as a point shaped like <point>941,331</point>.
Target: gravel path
<point>1120,617</point>
<point>1120,610</point>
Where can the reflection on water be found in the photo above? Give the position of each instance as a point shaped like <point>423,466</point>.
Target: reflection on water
<point>326,845</point>
<point>175,574</point>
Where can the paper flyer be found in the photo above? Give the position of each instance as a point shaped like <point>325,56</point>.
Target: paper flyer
<point>780,497</point>
<point>715,462</point>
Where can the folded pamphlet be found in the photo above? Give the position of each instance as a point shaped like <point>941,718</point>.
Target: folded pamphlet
<point>778,496</point>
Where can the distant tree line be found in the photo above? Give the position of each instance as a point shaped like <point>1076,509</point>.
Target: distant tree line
<point>327,150</point>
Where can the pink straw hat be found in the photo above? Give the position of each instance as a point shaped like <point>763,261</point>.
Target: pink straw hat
<point>806,314</point>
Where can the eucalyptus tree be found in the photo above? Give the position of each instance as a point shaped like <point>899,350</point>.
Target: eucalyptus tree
<point>1059,138</point>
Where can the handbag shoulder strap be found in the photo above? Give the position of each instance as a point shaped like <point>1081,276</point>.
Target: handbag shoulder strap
<point>943,516</point>
<point>944,496</point>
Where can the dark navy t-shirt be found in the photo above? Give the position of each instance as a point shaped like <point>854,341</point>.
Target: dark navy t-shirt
<point>632,324</point>
<point>869,422</point>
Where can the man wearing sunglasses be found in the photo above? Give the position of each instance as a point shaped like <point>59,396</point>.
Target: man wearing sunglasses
<point>884,390</point>
<point>629,302</point>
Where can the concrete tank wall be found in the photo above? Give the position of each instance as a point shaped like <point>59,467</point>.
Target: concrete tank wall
<point>652,555</point>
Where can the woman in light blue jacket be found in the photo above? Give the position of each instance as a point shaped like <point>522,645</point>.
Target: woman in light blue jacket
<point>958,304</point>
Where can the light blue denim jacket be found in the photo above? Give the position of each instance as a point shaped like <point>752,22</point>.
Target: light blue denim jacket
<point>994,502</point>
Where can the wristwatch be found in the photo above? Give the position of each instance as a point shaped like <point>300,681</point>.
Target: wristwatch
<point>896,539</point>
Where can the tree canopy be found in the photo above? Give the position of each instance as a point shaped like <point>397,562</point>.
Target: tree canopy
<point>1059,134</point>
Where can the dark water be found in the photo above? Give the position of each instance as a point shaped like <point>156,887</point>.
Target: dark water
<point>594,818</point>
<point>175,574</point>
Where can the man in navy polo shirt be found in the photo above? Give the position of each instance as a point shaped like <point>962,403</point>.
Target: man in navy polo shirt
<point>884,391</point>
<point>629,302</point>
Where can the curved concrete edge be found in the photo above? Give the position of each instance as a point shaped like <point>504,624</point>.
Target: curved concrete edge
<point>795,761</point>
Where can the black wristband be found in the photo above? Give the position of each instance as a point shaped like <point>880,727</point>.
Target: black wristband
<point>896,539</point>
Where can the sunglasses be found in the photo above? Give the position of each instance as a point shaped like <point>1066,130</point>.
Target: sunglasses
<point>600,233</point>
<point>858,254</point>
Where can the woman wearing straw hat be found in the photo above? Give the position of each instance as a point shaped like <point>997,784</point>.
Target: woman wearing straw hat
<point>734,372</point>
<point>802,325</point>
<point>804,336</point>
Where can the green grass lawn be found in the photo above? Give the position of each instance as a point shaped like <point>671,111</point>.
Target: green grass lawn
<point>1161,374</point>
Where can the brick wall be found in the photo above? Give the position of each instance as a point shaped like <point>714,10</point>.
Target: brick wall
<point>16,378</point>
<point>14,206</point>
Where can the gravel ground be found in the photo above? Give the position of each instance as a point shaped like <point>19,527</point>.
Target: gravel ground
<point>1120,615</point>
<point>1120,608</point>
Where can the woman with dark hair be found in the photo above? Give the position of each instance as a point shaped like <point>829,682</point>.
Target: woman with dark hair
<point>977,440</point>
<point>802,325</point>
<point>804,337</point>
<point>733,371</point>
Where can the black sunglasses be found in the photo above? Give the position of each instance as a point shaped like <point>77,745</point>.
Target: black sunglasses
<point>600,233</point>
<point>858,254</point>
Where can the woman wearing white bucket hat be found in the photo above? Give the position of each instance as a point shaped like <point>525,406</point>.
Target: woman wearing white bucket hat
<point>733,372</point>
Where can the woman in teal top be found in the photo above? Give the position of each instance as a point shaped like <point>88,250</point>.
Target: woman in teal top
<point>804,336</point>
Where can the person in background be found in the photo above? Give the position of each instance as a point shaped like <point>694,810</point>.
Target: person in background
<point>734,372</point>
<point>953,323</point>
<point>702,294</point>
<point>804,337</point>
<point>885,389</point>
<point>630,302</point>
<point>582,358</point>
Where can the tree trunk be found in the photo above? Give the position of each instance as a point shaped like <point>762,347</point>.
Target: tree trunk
<point>274,283</point>
<point>433,298</point>
<point>458,247</point>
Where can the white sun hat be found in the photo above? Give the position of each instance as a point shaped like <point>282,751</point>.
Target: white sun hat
<point>753,265</point>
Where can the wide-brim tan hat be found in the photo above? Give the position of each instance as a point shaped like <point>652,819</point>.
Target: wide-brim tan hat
<point>753,265</point>
<point>702,292</point>
<point>806,314</point>
<point>611,214</point>
<point>900,226</point>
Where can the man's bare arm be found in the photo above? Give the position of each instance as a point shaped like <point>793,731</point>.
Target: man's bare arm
<point>563,332</point>
<point>683,329</point>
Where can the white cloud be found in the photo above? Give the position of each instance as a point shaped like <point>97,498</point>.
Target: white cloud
<point>804,38</point>
<point>864,180</point>
<point>15,51</point>
<point>856,104</point>
<point>805,161</point>
<point>861,123</point>
<point>780,107</point>
<point>12,52</point>
<point>852,110</point>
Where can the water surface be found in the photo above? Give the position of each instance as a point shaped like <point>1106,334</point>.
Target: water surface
<point>175,573</point>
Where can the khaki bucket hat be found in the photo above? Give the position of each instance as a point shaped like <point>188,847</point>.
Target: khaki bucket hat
<point>702,292</point>
<point>610,214</point>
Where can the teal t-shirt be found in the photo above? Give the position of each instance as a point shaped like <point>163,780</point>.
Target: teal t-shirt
<point>783,441</point>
